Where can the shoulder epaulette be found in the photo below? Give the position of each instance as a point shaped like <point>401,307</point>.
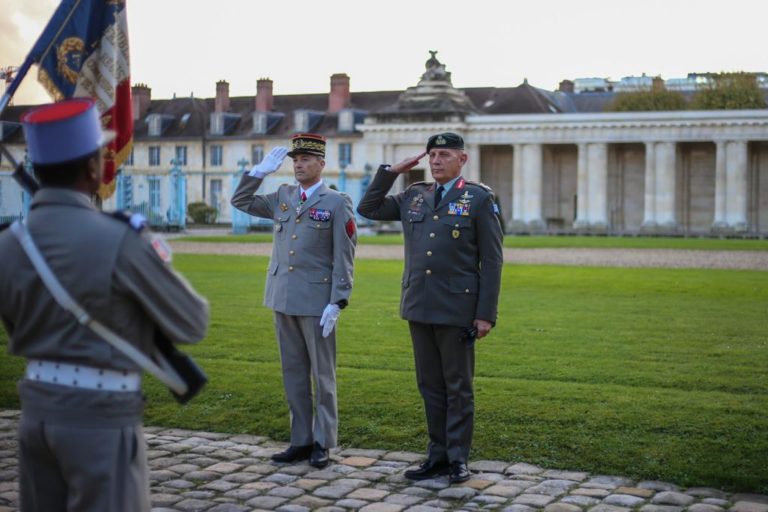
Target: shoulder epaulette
<point>480,184</point>
<point>418,183</point>
<point>136,221</point>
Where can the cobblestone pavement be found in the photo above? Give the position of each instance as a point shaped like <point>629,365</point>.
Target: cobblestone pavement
<point>669,258</point>
<point>212,472</point>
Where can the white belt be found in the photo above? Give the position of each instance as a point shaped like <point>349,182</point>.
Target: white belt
<point>79,376</point>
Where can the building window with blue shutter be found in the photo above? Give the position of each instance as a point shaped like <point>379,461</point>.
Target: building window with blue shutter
<point>181,154</point>
<point>345,154</point>
<point>216,189</point>
<point>154,194</point>
<point>217,155</point>
<point>127,192</point>
<point>257,153</point>
<point>154,156</point>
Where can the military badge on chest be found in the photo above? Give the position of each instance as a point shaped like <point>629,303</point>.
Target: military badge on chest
<point>320,214</point>
<point>416,203</point>
<point>461,207</point>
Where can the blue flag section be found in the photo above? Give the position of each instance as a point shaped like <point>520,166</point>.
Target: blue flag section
<point>74,32</point>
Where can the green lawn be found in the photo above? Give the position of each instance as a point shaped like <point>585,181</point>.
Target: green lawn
<point>534,242</point>
<point>648,373</point>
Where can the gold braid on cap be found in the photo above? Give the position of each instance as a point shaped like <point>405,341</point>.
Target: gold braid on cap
<point>308,144</point>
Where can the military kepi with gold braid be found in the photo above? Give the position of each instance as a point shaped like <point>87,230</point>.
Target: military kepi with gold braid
<point>307,144</point>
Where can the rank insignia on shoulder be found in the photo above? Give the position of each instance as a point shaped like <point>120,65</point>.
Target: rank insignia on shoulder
<point>162,249</point>
<point>320,214</point>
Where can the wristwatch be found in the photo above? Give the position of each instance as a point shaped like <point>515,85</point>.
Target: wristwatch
<point>385,167</point>
<point>342,303</point>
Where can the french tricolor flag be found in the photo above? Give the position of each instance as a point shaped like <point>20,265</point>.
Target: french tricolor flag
<point>83,52</point>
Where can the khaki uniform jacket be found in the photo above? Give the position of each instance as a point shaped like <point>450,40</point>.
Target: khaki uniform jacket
<point>109,269</point>
<point>313,250</point>
<point>453,253</point>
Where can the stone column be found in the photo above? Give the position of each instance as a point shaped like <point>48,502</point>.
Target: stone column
<point>472,167</point>
<point>649,210</point>
<point>736,185</point>
<point>582,189</point>
<point>598,185</point>
<point>721,187</point>
<point>518,187</point>
<point>665,184</point>
<point>532,185</point>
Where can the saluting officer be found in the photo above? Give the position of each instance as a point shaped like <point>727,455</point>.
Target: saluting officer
<point>309,281</point>
<point>81,445</point>
<point>450,289</point>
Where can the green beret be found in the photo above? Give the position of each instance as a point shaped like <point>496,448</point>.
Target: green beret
<point>447,140</point>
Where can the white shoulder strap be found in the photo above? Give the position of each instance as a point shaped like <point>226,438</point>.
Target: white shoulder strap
<point>166,374</point>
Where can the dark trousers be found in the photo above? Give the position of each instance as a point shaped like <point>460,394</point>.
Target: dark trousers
<point>445,366</point>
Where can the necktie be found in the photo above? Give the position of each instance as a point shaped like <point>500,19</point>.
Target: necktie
<point>303,197</point>
<point>439,195</point>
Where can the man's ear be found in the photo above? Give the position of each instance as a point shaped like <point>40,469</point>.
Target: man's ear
<point>322,163</point>
<point>463,158</point>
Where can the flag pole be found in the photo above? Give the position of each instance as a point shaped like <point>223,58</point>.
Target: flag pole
<point>11,90</point>
<point>20,175</point>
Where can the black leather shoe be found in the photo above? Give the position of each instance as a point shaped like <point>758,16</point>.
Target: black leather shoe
<point>459,473</point>
<point>428,469</point>
<point>293,454</point>
<point>319,458</point>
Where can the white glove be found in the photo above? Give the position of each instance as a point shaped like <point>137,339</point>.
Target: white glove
<point>269,163</point>
<point>329,318</point>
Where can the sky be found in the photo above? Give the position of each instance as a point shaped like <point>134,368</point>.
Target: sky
<point>184,47</point>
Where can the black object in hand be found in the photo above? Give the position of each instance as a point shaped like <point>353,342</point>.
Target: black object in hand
<point>468,335</point>
<point>194,377</point>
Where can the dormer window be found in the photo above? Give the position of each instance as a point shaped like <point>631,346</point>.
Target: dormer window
<point>260,122</point>
<point>306,120</point>
<point>223,123</point>
<point>301,120</point>
<point>158,123</point>
<point>346,120</point>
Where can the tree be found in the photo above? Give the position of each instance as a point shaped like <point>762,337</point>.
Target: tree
<point>729,91</point>
<point>654,100</point>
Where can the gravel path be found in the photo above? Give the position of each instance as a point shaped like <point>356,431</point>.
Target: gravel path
<point>664,258</point>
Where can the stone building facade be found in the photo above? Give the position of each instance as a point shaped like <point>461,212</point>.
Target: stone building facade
<point>557,161</point>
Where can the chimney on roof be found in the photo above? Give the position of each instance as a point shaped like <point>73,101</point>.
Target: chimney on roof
<point>141,98</point>
<point>264,100</point>
<point>566,86</point>
<point>658,84</point>
<point>222,96</point>
<point>340,96</point>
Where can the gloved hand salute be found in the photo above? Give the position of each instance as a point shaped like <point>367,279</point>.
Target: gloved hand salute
<point>269,163</point>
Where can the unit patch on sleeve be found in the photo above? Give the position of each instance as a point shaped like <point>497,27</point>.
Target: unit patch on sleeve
<point>350,227</point>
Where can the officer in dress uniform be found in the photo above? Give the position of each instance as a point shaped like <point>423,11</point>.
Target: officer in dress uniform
<point>309,281</point>
<point>450,289</point>
<point>81,445</point>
